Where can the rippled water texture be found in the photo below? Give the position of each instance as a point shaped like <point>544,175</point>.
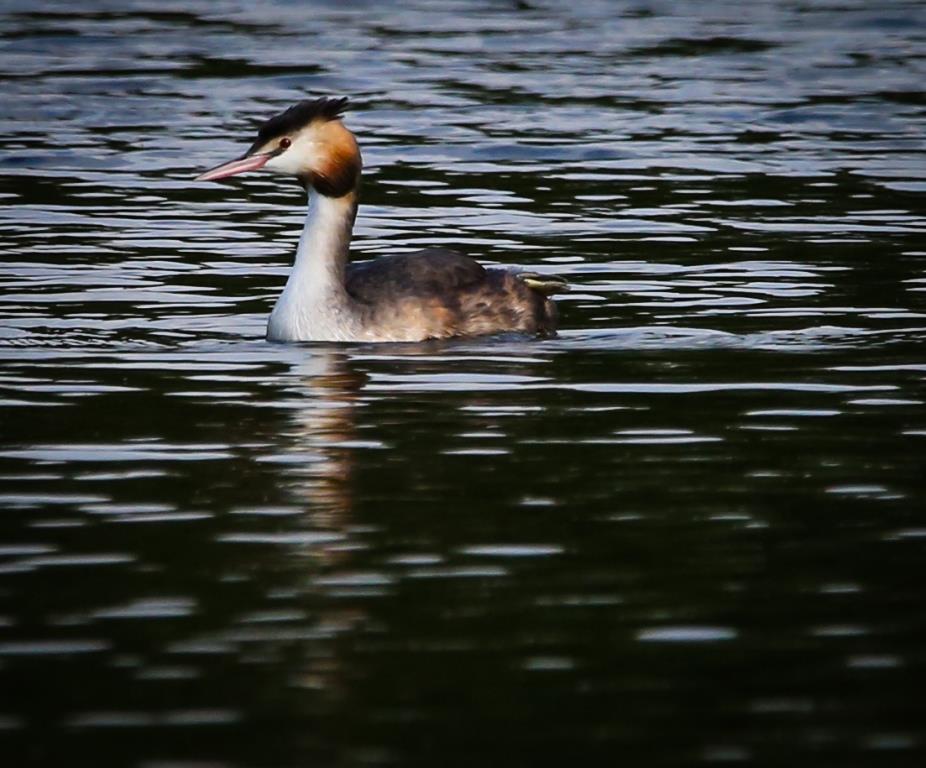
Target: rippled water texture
<point>688,530</point>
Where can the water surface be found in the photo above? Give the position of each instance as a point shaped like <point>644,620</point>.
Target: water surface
<point>688,530</point>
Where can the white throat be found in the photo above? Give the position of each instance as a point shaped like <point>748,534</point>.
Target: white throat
<point>315,305</point>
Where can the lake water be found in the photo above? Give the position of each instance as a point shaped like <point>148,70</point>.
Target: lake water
<point>689,530</point>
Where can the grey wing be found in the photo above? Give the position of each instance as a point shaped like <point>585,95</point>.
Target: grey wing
<point>431,272</point>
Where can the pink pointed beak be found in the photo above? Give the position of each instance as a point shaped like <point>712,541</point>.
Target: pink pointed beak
<point>250,163</point>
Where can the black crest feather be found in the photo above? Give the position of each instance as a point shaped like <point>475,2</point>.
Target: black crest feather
<point>300,115</point>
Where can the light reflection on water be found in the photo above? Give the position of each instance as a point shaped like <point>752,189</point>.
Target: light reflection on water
<point>685,529</point>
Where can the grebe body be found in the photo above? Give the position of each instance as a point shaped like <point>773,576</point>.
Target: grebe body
<point>430,294</point>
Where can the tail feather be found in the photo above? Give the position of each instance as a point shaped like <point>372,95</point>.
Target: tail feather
<point>546,285</point>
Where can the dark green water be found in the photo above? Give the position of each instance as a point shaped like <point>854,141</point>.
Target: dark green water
<point>690,530</point>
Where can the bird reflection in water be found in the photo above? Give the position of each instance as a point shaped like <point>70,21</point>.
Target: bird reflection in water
<point>323,431</point>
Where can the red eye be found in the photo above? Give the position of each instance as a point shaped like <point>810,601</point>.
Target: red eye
<point>285,143</point>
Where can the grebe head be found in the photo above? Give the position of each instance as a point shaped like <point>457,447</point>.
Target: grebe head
<point>307,141</point>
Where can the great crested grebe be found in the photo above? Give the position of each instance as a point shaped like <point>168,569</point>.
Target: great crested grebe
<point>430,294</point>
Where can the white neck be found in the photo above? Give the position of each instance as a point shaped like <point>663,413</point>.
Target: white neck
<point>315,305</point>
